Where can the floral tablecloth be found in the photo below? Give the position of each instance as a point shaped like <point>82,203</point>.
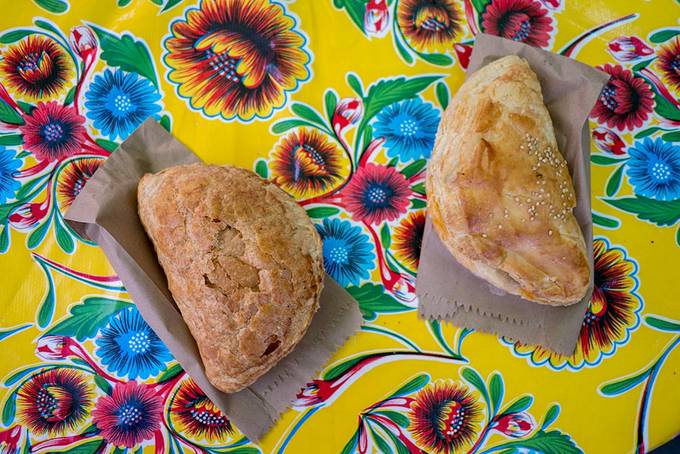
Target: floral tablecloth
<point>337,102</point>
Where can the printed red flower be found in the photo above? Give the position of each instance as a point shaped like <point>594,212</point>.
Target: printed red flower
<point>347,112</point>
<point>625,102</point>
<point>50,348</point>
<point>236,58</point>
<point>608,141</point>
<point>55,401</point>
<point>376,18</point>
<point>36,68</point>
<point>463,52</point>
<point>83,42</point>
<point>430,25</point>
<point>376,193</point>
<point>26,216</point>
<point>552,4</point>
<point>445,417</point>
<point>519,20</point>
<point>515,425</point>
<point>71,180</point>
<point>629,48</point>
<point>9,440</point>
<point>305,163</point>
<point>408,238</point>
<point>53,131</point>
<point>669,62</point>
<point>130,415</point>
<point>196,416</point>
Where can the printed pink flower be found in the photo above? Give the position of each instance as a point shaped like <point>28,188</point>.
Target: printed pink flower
<point>629,48</point>
<point>53,131</point>
<point>515,425</point>
<point>519,20</point>
<point>625,102</point>
<point>608,141</point>
<point>130,415</point>
<point>376,18</point>
<point>347,112</point>
<point>463,52</point>
<point>83,42</point>
<point>50,348</point>
<point>376,193</point>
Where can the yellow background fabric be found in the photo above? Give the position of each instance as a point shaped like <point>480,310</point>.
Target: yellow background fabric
<point>619,393</point>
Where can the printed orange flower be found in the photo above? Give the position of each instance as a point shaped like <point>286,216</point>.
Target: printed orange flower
<point>612,314</point>
<point>72,179</point>
<point>669,62</point>
<point>36,68</point>
<point>305,163</point>
<point>196,416</point>
<point>55,401</point>
<point>236,58</point>
<point>445,417</point>
<point>430,25</point>
<point>408,238</point>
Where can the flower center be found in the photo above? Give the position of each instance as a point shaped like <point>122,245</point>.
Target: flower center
<point>139,342</point>
<point>207,418</point>
<point>54,402</point>
<point>122,103</point>
<point>35,66</point>
<point>608,97</point>
<point>661,172</point>
<point>46,403</point>
<point>455,418</point>
<point>129,415</point>
<point>339,254</point>
<point>675,64</point>
<point>53,132</point>
<point>523,32</point>
<point>376,195</point>
<point>224,65</point>
<point>431,19</point>
<point>408,127</point>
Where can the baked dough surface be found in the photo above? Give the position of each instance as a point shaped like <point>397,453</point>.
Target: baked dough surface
<point>243,263</point>
<point>500,194</point>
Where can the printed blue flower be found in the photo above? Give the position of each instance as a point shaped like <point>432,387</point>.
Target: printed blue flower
<point>9,167</point>
<point>118,102</point>
<point>347,253</point>
<point>129,347</point>
<point>409,128</point>
<point>654,169</point>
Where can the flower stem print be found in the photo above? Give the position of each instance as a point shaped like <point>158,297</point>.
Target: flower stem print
<point>647,376</point>
<point>59,153</point>
<point>45,310</point>
<point>164,5</point>
<point>447,416</point>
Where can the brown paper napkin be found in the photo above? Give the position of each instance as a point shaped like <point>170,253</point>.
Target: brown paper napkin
<point>447,290</point>
<point>106,212</point>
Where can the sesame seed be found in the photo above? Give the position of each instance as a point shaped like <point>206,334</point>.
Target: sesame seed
<point>550,232</point>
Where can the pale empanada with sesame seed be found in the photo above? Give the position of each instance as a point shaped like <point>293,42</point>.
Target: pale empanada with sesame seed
<point>500,193</point>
